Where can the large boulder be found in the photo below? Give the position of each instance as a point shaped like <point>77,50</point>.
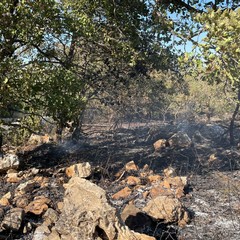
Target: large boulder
<point>86,212</point>
<point>180,139</point>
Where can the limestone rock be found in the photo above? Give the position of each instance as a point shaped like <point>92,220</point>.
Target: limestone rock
<point>163,207</point>
<point>9,161</point>
<point>180,139</point>
<point>79,170</point>
<point>13,219</point>
<point>85,212</point>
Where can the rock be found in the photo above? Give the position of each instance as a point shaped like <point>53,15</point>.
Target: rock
<point>54,235</point>
<point>38,205</point>
<point>26,187</point>
<point>13,178</point>
<point>154,178</point>
<point>50,216</point>
<point>22,201</point>
<point>38,139</point>
<point>131,166</point>
<point>79,170</point>
<point>131,180</point>
<point>41,233</point>
<point>129,210</point>
<point>212,131</point>
<point>169,172</point>
<point>86,212</point>
<point>13,219</point>
<point>9,161</point>
<point>124,193</point>
<point>164,208</point>
<point>4,202</point>
<point>134,218</point>
<point>180,139</point>
<point>160,144</point>
<point>125,234</point>
<point>160,190</point>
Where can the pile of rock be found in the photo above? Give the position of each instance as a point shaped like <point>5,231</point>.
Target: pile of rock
<point>85,210</point>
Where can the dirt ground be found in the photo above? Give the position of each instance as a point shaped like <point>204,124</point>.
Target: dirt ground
<point>213,167</point>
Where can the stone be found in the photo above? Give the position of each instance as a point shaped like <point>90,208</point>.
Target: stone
<point>164,208</point>
<point>36,139</point>
<point>79,170</point>
<point>160,144</point>
<point>85,212</point>
<point>38,205</point>
<point>160,191</point>
<point>123,193</point>
<point>13,178</point>
<point>129,210</point>
<point>180,139</point>
<point>41,233</point>
<point>26,187</point>
<point>131,166</point>
<point>50,216</point>
<point>125,234</point>
<point>154,178</point>
<point>4,202</point>
<point>9,161</point>
<point>13,219</point>
<point>184,220</point>
<point>22,201</point>
<point>54,235</point>
<point>169,172</point>
<point>60,206</point>
<point>131,180</point>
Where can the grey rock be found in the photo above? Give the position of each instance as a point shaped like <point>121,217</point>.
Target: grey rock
<point>13,219</point>
<point>8,161</point>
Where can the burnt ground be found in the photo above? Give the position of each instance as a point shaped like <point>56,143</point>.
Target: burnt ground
<point>213,167</point>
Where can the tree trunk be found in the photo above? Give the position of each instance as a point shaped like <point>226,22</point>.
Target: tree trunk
<point>231,127</point>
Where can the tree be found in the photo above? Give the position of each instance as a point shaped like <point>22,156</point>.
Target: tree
<point>217,58</point>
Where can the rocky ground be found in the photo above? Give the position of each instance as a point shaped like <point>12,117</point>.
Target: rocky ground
<point>144,181</point>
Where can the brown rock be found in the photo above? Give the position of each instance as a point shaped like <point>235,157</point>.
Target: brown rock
<point>60,206</point>
<point>13,177</point>
<point>38,205</point>
<point>131,180</point>
<point>164,208</point>
<point>184,220</point>
<point>160,191</point>
<point>4,202</point>
<point>160,144</point>
<point>85,209</point>
<point>129,210</point>
<point>154,178</point>
<point>124,193</point>
<point>79,170</point>
<point>131,166</point>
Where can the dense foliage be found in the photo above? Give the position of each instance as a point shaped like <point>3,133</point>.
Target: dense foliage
<point>58,56</point>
